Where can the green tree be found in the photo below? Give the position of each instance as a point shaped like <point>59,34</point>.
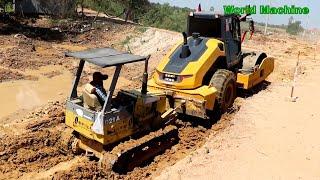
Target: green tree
<point>142,11</point>
<point>6,5</point>
<point>134,9</point>
<point>294,27</point>
<point>166,17</point>
<point>127,9</point>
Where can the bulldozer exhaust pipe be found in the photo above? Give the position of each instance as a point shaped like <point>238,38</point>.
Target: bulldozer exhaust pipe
<point>185,52</point>
<point>185,39</point>
<point>144,88</point>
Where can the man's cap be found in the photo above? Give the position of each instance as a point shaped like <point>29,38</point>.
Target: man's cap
<point>99,75</point>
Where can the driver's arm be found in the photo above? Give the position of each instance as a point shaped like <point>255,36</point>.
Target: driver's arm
<point>101,94</point>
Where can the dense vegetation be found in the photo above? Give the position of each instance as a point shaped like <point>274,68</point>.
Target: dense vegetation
<point>162,15</point>
<point>142,11</point>
<point>166,17</point>
<point>152,14</point>
<point>6,5</point>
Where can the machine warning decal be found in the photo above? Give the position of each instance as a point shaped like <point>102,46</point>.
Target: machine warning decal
<point>79,112</point>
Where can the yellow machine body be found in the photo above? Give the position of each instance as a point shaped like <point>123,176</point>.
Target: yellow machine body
<point>83,126</point>
<point>189,87</point>
<point>192,75</point>
<point>193,102</point>
<point>259,74</point>
<point>146,111</point>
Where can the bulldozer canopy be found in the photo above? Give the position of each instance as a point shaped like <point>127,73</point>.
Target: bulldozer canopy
<point>106,57</point>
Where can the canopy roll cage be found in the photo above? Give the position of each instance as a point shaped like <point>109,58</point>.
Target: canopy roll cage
<point>106,57</point>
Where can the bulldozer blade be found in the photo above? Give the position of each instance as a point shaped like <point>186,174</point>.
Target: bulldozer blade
<point>141,151</point>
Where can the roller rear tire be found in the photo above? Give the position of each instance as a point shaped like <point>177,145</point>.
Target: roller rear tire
<point>225,83</point>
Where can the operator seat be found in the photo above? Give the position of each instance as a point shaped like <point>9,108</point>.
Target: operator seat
<point>90,100</point>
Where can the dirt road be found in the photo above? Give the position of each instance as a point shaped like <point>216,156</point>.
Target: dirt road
<point>271,137</point>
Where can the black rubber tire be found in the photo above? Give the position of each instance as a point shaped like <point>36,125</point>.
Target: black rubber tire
<point>225,83</point>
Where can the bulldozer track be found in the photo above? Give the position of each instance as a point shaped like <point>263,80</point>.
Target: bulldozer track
<point>136,152</point>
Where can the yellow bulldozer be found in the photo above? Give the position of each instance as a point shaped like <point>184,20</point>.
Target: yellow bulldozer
<point>199,76</point>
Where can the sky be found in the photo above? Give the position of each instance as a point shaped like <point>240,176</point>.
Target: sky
<point>311,20</point>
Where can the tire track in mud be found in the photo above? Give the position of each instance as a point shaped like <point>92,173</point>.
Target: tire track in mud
<point>192,136</point>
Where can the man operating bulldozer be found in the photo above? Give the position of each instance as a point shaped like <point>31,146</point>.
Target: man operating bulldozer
<point>97,83</point>
<point>94,94</point>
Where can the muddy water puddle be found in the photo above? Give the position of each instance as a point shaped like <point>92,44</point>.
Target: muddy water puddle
<point>54,83</point>
<point>26,94</point>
